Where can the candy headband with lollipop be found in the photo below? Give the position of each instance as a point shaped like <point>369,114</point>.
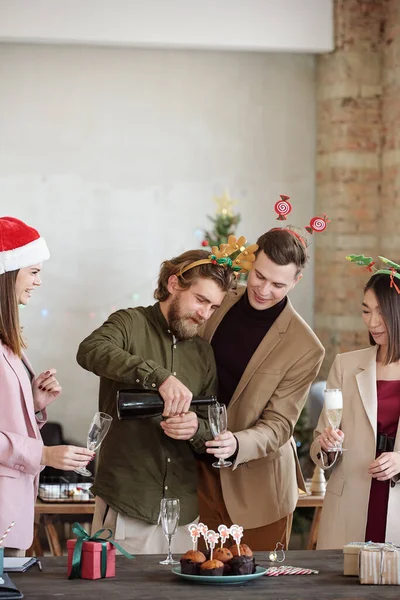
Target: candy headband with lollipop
<point>283,208</point>
<point>222,256</point>
<point>368,263</point>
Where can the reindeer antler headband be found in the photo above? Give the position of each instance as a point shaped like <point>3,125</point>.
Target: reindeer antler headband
<point>222,256</point>
<point>368,263</point>
<point>283,208</point>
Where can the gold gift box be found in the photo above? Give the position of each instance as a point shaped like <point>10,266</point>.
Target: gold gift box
<point>351,557</point>
<point>380,564</point>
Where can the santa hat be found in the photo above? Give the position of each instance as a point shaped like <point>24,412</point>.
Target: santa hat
<point>20,245</point>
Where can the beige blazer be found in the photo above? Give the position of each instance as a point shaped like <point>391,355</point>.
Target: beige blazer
<point>262,486</point>
<point>345,508</point>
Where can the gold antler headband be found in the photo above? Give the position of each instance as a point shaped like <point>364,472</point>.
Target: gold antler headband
<point>222,256</point>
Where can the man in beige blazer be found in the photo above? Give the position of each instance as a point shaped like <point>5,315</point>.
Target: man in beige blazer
<point>267,358</point>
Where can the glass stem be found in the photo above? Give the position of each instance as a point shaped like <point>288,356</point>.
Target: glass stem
<point>169,557</point>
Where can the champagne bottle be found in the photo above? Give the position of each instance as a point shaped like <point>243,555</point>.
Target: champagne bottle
<point>139,404</point>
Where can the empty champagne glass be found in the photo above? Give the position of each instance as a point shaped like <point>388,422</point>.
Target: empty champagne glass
<point>97,432</point>
<point>218,420</point>
<point>334,409</point>
<point>169,516</point>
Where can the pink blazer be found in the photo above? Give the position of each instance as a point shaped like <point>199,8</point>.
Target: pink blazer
<point>20,450</point>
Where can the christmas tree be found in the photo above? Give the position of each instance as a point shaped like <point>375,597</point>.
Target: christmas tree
<point>224,222</point>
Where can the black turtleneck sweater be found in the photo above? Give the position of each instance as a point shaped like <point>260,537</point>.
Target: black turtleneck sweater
<point>237,338</point>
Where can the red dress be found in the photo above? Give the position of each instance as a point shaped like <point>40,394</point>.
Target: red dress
<point>388,417</point>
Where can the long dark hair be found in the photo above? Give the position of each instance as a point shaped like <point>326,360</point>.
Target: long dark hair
<point>10,330</point>
<point>389,305</point>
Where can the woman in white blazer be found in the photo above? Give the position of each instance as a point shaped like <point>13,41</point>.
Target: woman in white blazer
<point>23,397</point>
<point>362,500</point>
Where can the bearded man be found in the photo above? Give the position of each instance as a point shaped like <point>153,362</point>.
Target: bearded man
<point>156,348</point>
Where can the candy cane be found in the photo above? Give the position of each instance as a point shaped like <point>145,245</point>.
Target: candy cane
<point>212,537</point>
<point>7,531</point>
<point>224,533</point>
<point>194,534</point>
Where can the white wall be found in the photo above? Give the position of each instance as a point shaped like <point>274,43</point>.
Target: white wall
<point>283,25</point>
<point>115,156</point>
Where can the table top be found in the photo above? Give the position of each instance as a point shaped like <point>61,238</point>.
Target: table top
<point>146,579</point>
<point>64,508</point>
<point>82,508</point>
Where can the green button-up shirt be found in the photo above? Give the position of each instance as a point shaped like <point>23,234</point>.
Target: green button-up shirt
<point>138,463</point>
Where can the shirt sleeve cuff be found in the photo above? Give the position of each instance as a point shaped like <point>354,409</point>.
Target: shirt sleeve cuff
<point>156,378</point>
<point>201,436</point>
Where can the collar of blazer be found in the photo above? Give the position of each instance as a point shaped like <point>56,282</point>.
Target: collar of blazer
<point>17,366</point>
<point>366,382</point>
<point>266,346</point>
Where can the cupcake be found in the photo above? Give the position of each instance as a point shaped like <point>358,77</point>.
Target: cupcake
<point>244,550</point>
<point>191,562</point>
<point>242,565</point>
<point>225,556</point>
<point>212,568</point>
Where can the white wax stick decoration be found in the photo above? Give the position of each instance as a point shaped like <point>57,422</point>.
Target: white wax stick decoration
<point>7,531</point>
<point>194,534</point>
<point>237,534</point>
<point>203,530</point>
<point>212,537</point>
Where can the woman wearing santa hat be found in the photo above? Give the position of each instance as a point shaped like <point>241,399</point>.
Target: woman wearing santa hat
<point>23,397</point>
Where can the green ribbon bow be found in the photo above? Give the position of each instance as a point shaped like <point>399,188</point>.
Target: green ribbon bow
<point>226,261</point>
<point>83,536</point>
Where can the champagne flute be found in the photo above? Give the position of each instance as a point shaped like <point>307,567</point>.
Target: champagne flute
<point>218,420</point>
<point>333,400</point>
<point>97,432</point>
<point>169,516</point>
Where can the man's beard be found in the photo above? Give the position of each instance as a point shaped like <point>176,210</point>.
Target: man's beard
<point>181,325</point>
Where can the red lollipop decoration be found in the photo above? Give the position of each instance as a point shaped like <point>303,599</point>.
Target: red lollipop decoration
<point>283,207</point>
<point>317,224</point>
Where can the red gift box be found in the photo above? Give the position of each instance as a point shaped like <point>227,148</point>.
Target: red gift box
<point>91,559</point>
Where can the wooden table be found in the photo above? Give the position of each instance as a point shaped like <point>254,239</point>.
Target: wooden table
<point>45,511</point>
<point>144,578</point>
<point>307,501</point>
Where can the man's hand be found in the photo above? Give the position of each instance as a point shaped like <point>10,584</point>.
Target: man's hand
<point>66,458</point>
<point>177,397</point>
<point>386,466</point>
<point>223,446</point>
<point>181,427</point>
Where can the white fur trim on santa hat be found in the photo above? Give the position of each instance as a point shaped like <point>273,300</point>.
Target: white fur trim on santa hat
<point>25,256</point>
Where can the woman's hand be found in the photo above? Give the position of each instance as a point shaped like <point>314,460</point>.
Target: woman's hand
<point>386,466</point>
<point>45,388</point>
<point>66,458</point>
<point>330,439</point>
<point>223,446</point>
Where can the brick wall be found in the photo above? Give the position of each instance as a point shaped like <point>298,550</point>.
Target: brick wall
<point>358,164</point>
